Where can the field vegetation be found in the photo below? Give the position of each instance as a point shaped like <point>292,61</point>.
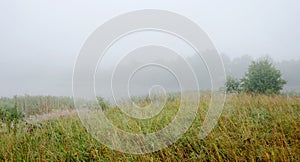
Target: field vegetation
<point>251,128</point>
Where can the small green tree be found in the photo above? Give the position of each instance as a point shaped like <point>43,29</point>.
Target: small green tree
<point>233,85</point>
<point>262,77</point>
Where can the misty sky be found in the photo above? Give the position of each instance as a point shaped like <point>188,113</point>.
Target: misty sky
<point>40,39</point>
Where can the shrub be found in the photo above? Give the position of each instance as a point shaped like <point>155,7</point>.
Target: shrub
<point>262,77</point>
<point>233,85</point>
<point>10,115</point>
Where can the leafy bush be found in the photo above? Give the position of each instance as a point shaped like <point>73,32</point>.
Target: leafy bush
<point>10,115</point>
<point>233,85</point>
<point>262,77</point>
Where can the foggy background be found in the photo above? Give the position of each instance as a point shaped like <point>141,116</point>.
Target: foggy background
<point>40,40</point>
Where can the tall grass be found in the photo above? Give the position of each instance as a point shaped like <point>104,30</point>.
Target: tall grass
<point>251,128</point>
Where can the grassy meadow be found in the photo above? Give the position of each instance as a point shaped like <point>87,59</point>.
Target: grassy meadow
<point>251,128</point>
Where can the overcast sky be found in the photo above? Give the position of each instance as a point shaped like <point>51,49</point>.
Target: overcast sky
<point>40,39</point>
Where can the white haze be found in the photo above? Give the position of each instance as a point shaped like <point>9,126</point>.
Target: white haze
<point>40,39</point>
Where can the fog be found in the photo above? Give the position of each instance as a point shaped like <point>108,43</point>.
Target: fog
<point>40,42</point>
